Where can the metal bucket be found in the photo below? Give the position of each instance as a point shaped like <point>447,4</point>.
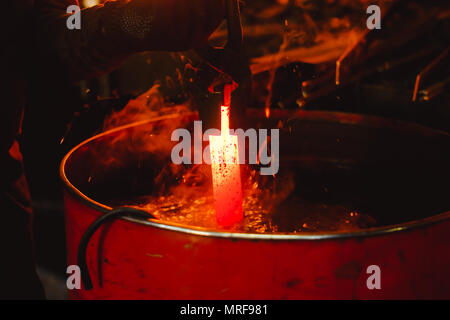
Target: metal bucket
<point>401,169</point>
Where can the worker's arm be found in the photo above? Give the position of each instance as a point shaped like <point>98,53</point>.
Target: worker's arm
<point>112,31</point>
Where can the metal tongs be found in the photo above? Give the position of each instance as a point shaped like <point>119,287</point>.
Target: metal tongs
<point>232,65</point>
<point>229,60</point>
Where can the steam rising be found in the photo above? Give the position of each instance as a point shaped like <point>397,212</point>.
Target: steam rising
<point>183,193</point>
<point>147,106</point>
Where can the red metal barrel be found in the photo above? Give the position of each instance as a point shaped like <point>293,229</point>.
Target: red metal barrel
<point>134,259</point>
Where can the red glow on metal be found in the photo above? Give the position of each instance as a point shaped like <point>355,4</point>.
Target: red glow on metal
<point>225,171</point>
<point>267,111</point>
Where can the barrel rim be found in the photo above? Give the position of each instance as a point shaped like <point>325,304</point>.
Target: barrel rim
<point>341,117</point>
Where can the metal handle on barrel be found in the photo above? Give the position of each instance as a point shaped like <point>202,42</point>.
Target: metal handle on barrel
<point>84,242</point>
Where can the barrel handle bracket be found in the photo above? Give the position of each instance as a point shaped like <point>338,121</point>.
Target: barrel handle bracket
<point>84,242</point>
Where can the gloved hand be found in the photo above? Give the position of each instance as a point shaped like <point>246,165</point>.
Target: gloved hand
<point>172,25</point>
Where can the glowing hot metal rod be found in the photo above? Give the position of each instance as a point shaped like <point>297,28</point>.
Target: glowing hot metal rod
<point>225,170</point>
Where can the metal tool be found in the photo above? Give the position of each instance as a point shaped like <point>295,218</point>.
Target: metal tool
<point>230,59</point>
<point>232,65</point>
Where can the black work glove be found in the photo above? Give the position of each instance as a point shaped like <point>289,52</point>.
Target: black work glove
<point>171,25</point>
